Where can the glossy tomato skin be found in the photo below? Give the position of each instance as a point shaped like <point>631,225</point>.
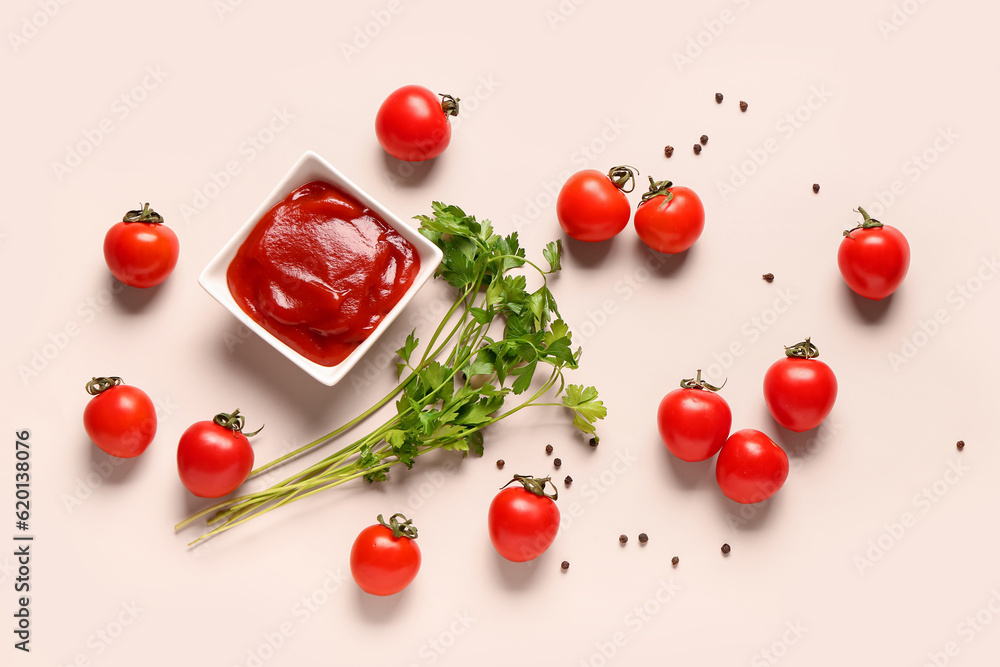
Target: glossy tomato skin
<point>750,467</point>
<point>874,261</point>
<point>671,226</point>
<point>693,423</point>
<point>522,524</point>
<point>411,124</point>
<point>383,564</point>
<point>121,421</point>
<point>591,208</point>
<point>800,393</point>
<point>213,461</point>
<point>141,254</point>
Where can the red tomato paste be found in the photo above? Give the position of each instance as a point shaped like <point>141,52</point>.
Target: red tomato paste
<point>320,270</point>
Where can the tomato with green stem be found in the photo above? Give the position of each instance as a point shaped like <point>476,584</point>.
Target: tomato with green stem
<point>215,457</point>
<point>413,124</point>
<point>120,419</point>
<point>751,467</point>
<point>385,557</point>
<point>523,520</point>
<point>140,250</point>
<point>670,218</point>
<point>873,258</point>
<point>799,389</point>
<point>592,206</point>
<point>694,421</point>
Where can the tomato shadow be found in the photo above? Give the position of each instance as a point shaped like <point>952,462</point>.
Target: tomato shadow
<point>109,469</point>
<point>658,263</point>
<point>797,445</point>
<point>135,300</point>
<point>587,253</point>
<point>381,609</point>
<point>689,474</point>
<point>740,516</point>
<point>514,576</point>
<point>191,504</point>
<point>400,173</point>
<point>869,311</point>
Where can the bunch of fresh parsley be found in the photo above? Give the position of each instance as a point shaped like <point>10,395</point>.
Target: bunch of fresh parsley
<point>489,347</point>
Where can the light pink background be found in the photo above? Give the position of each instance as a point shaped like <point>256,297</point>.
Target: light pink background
<point>542,97</point>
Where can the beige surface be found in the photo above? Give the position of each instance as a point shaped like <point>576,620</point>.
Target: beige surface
<point>200,110</point>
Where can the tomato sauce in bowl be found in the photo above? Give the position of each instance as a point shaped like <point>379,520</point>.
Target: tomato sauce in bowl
<point>320,271</point>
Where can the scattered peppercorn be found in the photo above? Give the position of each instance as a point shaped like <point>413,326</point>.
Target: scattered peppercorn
<point>568,480</point>
<point>726,549</point>
<point>668,150</point>
<point>643,538</point>
<point>960,444</point>
<point>743,105</point>
<point>674,561</point>
<point>565,565</point>
<point>703,139</point>
<point>718,98</point>
<point>815,187</point>
<point>697,149</point>
<point>557,462</point>
<point>500,463</point>
<point>623,538</point>
<point>594,441</point>
<point>769,277</point>
<point>548,449</point>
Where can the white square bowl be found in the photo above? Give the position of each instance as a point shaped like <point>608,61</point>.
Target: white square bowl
<point>311,167</point>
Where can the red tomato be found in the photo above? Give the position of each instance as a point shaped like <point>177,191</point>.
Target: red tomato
<point>670,218</point>
<point>873,258</point>
<point>385,558</point>
<point>524,520</point>
<point>120,419</point>
<point>412,123</point>
<point>140,250</point>
<point>592,206</point>
<point>750,467</point>
<point>694,421</point>
<point>215,457</point>
<point>800,390</point>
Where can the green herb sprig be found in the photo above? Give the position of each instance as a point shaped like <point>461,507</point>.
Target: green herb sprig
<point>490,345</point>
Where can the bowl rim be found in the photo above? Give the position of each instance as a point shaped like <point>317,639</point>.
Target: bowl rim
<point>310,166</point>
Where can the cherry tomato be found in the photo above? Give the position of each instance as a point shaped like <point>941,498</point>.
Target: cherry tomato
<point>670,218</point>
<point>873,258</point>
<point>385,558</point>
<point>694,421</point>
<point>412,123</point>
<point>592,206</point>
<point>215,457</point>
<point>524,520</point>
<point>120,419</point>
<point>800,390</point>
<point>750,467</point>
<point>140,250</point>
